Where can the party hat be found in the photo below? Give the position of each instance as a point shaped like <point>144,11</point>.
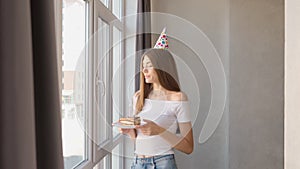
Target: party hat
<point>162,41</point>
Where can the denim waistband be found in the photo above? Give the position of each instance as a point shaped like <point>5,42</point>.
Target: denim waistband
<point>153,158</point>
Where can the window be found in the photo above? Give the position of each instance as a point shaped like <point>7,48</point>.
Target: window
<point>117,10</point>
<point>117,157</point>
<point>102,81</point>
<point>117,77</point>
<point>108,55</point>
<point>105,2</point>
<point>74,83</point>
<point>92,83</point>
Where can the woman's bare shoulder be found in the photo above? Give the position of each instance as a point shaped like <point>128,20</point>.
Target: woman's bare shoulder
<point>178,96</point>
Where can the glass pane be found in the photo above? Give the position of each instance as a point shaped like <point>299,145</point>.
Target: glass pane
<point>116,6</point>
<point>102,164</point>
<point>105,2</point>
<point>102,81</point>
<point>73,83</point>
<point>116,157</point>
<point>117,83</point>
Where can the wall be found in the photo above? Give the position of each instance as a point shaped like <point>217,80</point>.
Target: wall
<point>212,17</point>
<point>257,78</point>
<point>292,83</point>
<point>249,36</point>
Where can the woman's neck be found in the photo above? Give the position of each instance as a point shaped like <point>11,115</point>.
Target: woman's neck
<point>158,92</point>
<point>158,87</point>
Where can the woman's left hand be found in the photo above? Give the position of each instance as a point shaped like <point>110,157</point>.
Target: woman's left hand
<point>150,128</point>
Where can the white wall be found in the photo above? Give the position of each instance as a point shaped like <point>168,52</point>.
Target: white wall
<point>292,83</point>
<point>249,36</point>
<point>256,136</point>
<point>212,17</point>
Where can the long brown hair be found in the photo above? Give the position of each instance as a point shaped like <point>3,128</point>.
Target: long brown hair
<point>165,67</point>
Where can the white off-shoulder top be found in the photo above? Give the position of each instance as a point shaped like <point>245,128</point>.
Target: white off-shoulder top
<point>166,114</point>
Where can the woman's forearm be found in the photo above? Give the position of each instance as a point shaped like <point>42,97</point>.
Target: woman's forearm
<point>178,142</point>
<point>184,143</point>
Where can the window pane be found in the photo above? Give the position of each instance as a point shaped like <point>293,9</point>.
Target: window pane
<point>116,6</point>
<point>105,2</point>
<point>73,79</point>
<point>117,83</point>
<point>116,157</point>
<point>102,81</point>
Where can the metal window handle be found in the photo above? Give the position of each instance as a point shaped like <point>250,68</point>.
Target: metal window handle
<point>101,86</point>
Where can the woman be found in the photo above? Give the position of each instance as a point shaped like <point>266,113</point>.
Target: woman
<point>164,109</point>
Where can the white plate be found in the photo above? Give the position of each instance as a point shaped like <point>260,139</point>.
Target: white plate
<point>120,125</point>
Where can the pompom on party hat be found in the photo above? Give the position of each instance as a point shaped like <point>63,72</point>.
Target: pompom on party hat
<point>162,41</point>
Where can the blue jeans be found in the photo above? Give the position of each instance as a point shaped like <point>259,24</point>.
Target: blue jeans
<point>155,162</point>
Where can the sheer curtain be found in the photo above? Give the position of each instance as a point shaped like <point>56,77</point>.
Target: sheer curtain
<point>29,101</point>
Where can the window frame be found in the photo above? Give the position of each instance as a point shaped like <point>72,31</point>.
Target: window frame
<point>106,14</point>
<point>94,9</point>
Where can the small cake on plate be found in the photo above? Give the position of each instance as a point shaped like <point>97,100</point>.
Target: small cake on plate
<point>129,121</point>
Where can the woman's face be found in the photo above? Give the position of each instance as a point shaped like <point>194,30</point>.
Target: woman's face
<point>148,71</point>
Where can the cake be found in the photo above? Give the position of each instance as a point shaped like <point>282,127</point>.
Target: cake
<point>128,121</point>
